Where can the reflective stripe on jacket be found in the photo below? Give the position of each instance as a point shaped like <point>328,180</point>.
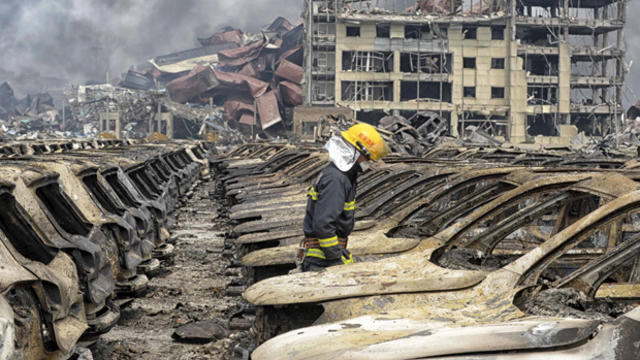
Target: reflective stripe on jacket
<point>330,212</point>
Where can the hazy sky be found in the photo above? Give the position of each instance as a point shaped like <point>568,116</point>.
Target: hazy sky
<point>64,38</point>
<point>632,35</point>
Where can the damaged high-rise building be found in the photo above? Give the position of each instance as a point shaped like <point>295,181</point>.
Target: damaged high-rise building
<point>519,69</point>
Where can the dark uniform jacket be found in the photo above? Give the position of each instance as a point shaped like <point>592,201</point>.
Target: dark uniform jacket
<point>330,215</point>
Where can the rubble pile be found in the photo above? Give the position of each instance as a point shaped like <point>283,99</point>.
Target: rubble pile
<point>137,109</point>
<point>23,116</point>
<point>415,136</point>
<point>235,84</point>
<point>257,80</point>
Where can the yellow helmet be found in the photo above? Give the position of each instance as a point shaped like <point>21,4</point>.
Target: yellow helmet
<point>367,140</point>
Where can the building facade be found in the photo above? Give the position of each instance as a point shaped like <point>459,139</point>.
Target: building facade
<point>513,68</point>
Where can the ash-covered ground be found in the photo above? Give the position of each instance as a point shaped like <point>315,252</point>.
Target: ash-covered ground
<point>191,286</point>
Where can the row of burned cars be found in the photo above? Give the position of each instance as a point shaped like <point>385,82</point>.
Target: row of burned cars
<point>83,225</point>
<point>466,253</point>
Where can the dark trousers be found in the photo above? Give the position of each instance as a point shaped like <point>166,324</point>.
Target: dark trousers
<point>319,264</point>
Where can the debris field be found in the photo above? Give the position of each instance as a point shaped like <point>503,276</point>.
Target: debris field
<point>462,252</point>
<point>160,216</point>
<point>121,250</point>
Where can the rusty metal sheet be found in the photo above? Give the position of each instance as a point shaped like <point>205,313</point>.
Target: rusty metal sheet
<point>235,36</point>
<point>268,110</point>
<point>290,71</point>
<point>249,69</point>
<point>241,82</point>
<point>280,24</point>
<point>198,81</point>
<point>183,67</point>
<point>291,93</point>
<point>294,37</point>
<point>137,80</point>
<point>247,119</point>
<point>234,109</point>
<point>242,55</point>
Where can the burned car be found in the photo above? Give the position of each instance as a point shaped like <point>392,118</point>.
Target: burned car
<point>40,283</point>
<point>528,215</point>
<point>117,230</point>
<point>504,296</point>
<point>63,228</point>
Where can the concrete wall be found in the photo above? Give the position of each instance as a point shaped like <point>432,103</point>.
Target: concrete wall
<point>512,110</point>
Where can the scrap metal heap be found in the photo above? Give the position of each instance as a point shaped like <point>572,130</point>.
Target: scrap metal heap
<point>235,85</point>
<point>510,251</point>
<point>257,80</point>
<point>83,225</point>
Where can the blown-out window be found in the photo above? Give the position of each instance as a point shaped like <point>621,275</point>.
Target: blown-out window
<point>197,153</point>
<point>178,161</point>
<point>145,184</point>
<point>62,211</point>
<point>141,186</point>
<point>121,191</point>
<point>19,232</point>
<point>158,170</point>
<point>101,195</point>
<point>170,163</point>
<point>185,158</point>
<point>353,31</point>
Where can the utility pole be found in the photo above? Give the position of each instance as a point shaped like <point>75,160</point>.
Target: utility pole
<point>253,123</point>
<point>159,117</point>
<point>107,125</point>
<point>64,100</point>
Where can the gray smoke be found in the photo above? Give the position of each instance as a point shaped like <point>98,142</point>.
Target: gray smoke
<point>78,40</point>
<point>632,39</point>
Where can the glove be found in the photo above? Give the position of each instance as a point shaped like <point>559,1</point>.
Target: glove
<point>346,257</point>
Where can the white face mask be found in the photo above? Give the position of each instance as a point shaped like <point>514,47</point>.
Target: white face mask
<point>365,165</point>
<point>341,154</point>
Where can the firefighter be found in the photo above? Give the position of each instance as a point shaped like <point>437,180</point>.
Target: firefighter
<point>330,213</point>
